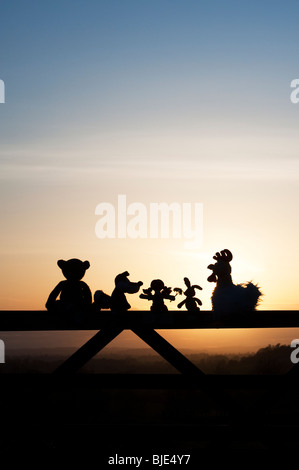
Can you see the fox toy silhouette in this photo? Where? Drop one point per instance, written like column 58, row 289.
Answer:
column 118, row 300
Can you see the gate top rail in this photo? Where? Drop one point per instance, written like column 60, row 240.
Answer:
column 42, row 320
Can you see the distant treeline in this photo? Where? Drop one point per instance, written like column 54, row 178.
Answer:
column 272, row 359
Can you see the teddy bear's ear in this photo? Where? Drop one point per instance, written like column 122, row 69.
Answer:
column 86, row 264
column 61, row 263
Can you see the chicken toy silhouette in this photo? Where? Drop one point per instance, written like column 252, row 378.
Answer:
column 228, row 297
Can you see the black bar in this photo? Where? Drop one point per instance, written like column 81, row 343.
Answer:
column 148, row 381
column 186, row 367
column 173, row 319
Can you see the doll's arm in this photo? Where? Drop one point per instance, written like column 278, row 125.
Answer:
column 169, row 297
column 146, row 296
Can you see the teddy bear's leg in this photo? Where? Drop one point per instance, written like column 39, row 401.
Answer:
column 80, row 312
column 101, row 301
column 55, row 307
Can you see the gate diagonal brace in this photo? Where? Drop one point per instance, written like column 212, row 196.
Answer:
column 88, row 350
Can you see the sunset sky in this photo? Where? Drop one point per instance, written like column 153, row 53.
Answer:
column 161, row 101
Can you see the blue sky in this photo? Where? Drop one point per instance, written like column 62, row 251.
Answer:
column 81, row 65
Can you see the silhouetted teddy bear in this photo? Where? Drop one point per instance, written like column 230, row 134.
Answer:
column 75, row 295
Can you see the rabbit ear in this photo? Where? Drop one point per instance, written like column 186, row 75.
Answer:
column 187, row 282
column 197, row 287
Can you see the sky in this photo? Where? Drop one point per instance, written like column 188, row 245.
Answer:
column 160, row 101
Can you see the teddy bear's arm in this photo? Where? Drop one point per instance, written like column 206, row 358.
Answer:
column 86, row 292
column 54, row 294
